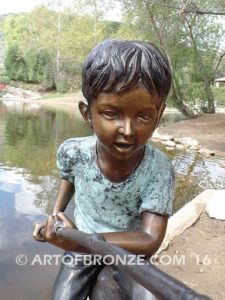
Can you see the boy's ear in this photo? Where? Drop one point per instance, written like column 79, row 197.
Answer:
column 85, row 112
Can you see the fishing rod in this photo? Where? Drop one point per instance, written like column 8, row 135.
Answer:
column 160, row 284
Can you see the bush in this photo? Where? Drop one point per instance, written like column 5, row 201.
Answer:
column 69, row 76
column 4, row 79
column 15, row 65
column 39, row 66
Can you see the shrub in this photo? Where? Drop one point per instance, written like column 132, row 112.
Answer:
column 15, row 65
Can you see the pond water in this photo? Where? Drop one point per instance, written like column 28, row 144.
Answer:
column 29, row 137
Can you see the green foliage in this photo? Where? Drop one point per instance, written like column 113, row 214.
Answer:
column 34, row 66
column 52, row 44
column 219, row 95
column 4, row 79
column 15, row 64
column 191, row 42
column 39, row 66
column 15, row 30
column 111, row 28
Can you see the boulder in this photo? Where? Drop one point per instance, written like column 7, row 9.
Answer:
column 206, row 152
column 216, row 205
column 177, row 140
column 155, row 140
column 189, row 142
column 169, row 143
column 167, row 137
column 162, row 137
column 194, row 147
column 179, row 147
column 169, row 148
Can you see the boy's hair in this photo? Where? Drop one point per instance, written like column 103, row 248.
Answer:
column 116, row 66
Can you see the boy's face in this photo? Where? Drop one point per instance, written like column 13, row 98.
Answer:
column 123, row 123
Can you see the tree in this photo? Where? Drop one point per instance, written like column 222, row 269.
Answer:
column 15, row 64
column 38, row 64
column 64, row 34
column 190, row 42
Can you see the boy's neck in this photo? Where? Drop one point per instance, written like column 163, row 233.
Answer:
column 117, row 170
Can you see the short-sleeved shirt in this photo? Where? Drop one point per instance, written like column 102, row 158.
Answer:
column 105, row 206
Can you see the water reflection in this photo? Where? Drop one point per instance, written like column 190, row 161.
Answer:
column 29, row 137
column 28, row 180
column 194, row 174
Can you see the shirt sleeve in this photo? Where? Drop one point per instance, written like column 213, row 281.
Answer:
column 65, row 157
column 159, row 192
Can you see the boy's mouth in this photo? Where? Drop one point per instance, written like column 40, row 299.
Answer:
column 124, row 146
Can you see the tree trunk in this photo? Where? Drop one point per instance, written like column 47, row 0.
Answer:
column 180, row 105
column 176, row 95
column 206, row 79
column 210, row 97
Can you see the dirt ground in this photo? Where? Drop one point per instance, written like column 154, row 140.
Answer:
column 70, row 100
column 197, row 257
column 208, row 130
column 201, row 248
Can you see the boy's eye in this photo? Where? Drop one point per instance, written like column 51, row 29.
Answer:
column 109, row 114
column 145, row 117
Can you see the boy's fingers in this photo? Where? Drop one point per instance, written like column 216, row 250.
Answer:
column 63, row 218
column 50, row 232
column 37, row 235
column 39, row 239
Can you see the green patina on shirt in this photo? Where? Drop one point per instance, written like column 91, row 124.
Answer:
column 105, row 206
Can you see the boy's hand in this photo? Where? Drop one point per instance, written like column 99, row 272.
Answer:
column 38, row 229
column 52, row 224
column 46, row 230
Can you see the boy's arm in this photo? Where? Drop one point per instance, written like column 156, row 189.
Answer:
column 65, row 193
column 145, row 241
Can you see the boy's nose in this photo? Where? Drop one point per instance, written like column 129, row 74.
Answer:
column 127, row 128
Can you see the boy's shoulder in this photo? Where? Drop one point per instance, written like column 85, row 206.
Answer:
column 73, row 143
column 159, row 158
column 74, row 148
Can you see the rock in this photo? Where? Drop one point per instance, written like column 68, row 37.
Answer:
column 206, row 152
column 167, row 137
column 155, row 140
column 169, row 143
column 187, row 141
column 162, row 137
column 169, row 148
column 179, row 147
column 177, row 140
column 216, row 205
column 19, row 93
column 193, row 147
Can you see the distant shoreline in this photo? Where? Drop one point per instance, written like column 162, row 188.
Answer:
column 207, row 129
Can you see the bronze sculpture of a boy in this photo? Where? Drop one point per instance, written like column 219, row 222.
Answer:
column 124, row 186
